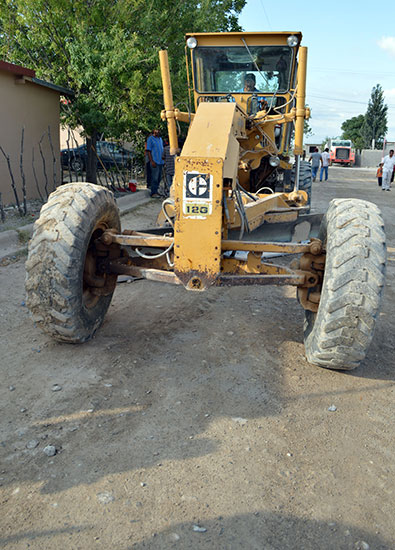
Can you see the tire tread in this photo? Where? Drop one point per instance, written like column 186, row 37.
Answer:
column 339, row 335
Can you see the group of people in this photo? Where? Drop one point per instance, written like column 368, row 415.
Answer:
column 385, row 171
column 158, row 160
column 317, row 159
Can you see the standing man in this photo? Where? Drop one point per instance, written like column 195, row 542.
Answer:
column 315, row 159
column 324, row 164
column 388, row 168
column 155, row 155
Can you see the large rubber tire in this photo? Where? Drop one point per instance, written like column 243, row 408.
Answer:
column 339, row 334
column 305, row 180
column 61, row 302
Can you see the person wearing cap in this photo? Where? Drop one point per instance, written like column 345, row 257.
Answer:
column 249, row 86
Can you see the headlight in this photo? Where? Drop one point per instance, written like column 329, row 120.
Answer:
column 292, row 41
column 191, row 42
column 274, row 161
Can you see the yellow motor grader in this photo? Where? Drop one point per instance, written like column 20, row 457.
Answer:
column 235, row 203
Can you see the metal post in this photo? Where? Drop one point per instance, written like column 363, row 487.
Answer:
column 168, row 101
column 297, row 172
column 300, row 101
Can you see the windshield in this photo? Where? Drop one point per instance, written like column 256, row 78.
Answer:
column 232, row 69
column 341, row 143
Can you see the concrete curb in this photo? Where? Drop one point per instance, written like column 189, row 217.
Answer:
column 10, row 244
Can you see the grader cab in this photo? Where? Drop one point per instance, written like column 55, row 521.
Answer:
column 236, row 202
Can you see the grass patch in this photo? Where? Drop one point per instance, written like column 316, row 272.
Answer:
column 23, row 236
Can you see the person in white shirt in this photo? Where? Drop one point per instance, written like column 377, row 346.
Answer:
column 324, row 164
column 388, row 168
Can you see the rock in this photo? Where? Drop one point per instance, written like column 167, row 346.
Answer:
column 239, row 420
column 56, row 387
column 174, row 536
column 105, row 497
column 332, row 408
column 107, row 385
column 32, row 444
column 50, row 450
column 143, row 484
column 230, row 333
column 23, row 410
column 73, row 428
column 361, row 545
column 199, row 529
column 11, row 388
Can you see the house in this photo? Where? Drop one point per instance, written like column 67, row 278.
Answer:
column 29, row 107
column 311, row 147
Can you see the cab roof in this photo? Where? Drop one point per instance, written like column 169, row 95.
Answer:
column 234, row 38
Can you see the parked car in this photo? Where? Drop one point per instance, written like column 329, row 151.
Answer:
column 110, row 154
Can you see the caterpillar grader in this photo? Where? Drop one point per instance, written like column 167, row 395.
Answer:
column 236, row 202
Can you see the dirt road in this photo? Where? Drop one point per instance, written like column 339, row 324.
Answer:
column 193, row 421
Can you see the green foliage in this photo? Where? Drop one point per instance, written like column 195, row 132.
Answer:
column 325, row 142
column 375, row 126
column 107, row 53
column 307, row 131
column 352, row 129
column 23, row 236
column 362, row 129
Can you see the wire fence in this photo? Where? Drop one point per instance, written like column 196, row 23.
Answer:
column 118, row 169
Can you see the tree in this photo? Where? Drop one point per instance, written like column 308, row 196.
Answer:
column 107, row 53
column 325, row 142
column 375, row 125
column 352, row 129
column 307, row 130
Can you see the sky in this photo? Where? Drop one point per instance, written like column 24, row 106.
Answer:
column 351, row 48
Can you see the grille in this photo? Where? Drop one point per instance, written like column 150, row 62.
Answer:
column 342, row 154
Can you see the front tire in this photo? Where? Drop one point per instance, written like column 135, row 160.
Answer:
column 339, row 334
column 67, row 296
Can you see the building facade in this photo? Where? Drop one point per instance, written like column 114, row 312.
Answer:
column 28, row 107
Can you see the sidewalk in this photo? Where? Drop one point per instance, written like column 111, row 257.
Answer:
column 10, row 241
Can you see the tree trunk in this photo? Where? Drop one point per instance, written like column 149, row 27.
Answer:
column 91, row 161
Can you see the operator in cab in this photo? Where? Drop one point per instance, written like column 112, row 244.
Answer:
column 250, row 86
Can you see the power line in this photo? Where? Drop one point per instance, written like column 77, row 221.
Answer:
column 267, row 18
column 344, row 100
column 372, row 72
